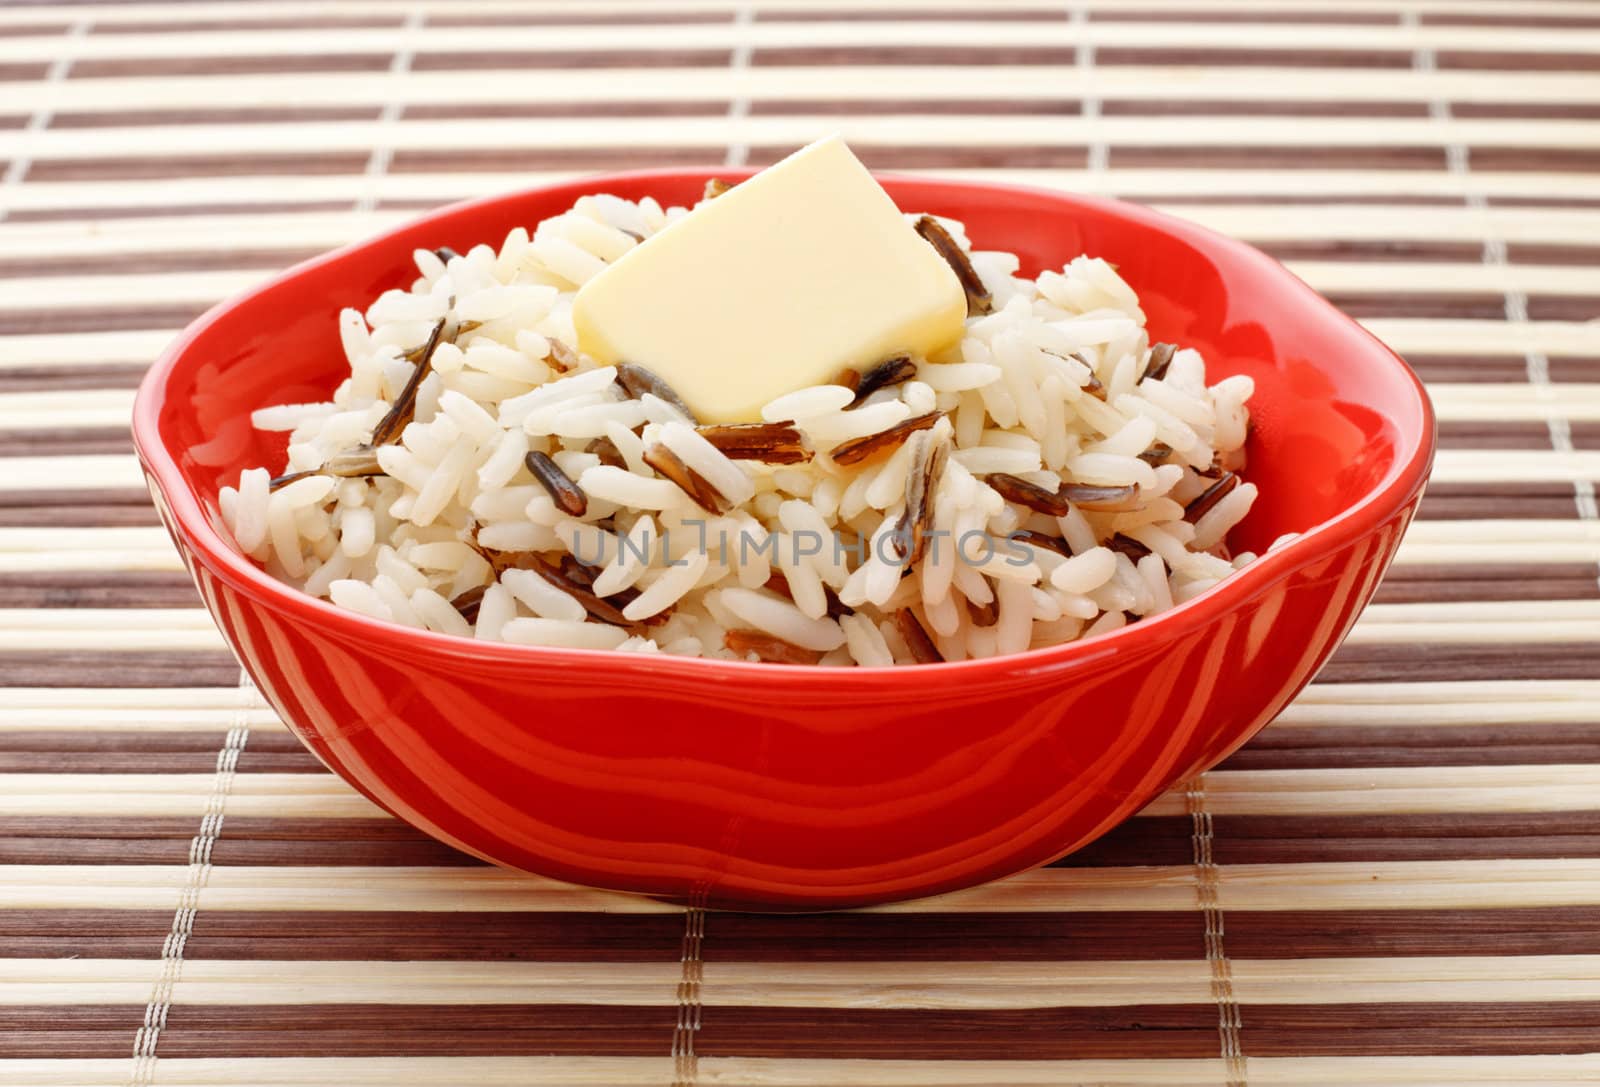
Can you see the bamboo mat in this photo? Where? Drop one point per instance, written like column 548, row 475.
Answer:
column 1397, row 883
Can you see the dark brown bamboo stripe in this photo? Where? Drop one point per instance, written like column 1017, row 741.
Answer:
column 276, row 64
column 550, row 158
column 65, row 442
column 1172, row 1031
column 1563, row 307
column 15, row 511
column 802, row 107
column 1553, row 252
column 1579, row 585
column 1399, row 745
column 253, row 22
column 146, row 211
column 1527, row 111
column 1399, row 661
column 1065, row 937
column 1109, row 56
column 241, row 115
column 1155, row 935
column 28, row 379
column 23, row 73
column 1479, row 434
column 1311, row 198
column 105, row 318
column 152, row 261
column 1148, row 1031
column 889, row 157
column 1518, row 501
column 1268, row 157
column 93, row 589
column 1514, row 201
column 1479, row 305
column 1331, row 16
column 131, row 668
column 563, row 59
column 28, row 30
column 1456, row 18
column 1537, row 159
column 870, row 14
column 641, row 17
column 152, row 168
column 359, row 1030
column 1507, row 61
column 452, row 111
column 1213, row 107
column 83, row 934
column 1468, row 369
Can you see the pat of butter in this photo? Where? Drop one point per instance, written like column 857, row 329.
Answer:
column 779, row 283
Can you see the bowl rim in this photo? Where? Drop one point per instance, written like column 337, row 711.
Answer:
column 1397, row 488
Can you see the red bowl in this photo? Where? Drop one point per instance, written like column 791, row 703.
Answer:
column 761, row 786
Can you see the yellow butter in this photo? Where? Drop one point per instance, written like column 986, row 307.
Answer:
column 781, row 282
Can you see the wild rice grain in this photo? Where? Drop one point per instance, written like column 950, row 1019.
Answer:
column 923, row 651
column 563, row 491
column 979, row 301
column 862, row 449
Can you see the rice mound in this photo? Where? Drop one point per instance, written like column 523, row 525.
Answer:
column 1133, row 476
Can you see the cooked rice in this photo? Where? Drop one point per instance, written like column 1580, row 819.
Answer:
column 801, row 561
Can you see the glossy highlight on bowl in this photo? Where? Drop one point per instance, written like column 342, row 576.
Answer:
column 736, row 785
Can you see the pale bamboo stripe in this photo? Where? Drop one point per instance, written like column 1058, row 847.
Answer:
column 1488, row 884
column 78, row 408
column 1276, row 222
column 1051, row 30
column 1394, row 790
column 858, row 984
column 1497, row 402
column 1519, row 1071
column 990, row 985
column 1511, row 534
column 1530, row 1071
column 355, row 1072
column 1515, row 466
column 102, row 981
column 152, row 560
column 238, row 887
column 1404, row 277
column 590, row 132
column 86, row 472
column 131, row 289
column 133, row 699
column 294, row 796
column 96, row 539
column 1465, row 337
column 82, row 348
column 128, row 720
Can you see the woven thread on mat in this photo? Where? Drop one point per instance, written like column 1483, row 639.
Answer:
column 1205, row 869
column 148, row 1036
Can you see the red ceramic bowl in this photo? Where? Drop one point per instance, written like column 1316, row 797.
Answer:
column 770, row 787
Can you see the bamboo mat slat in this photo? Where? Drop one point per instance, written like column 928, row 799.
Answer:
column 1395, row 885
